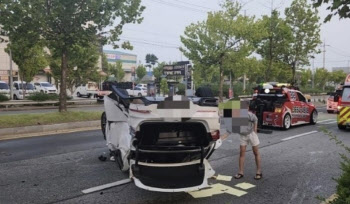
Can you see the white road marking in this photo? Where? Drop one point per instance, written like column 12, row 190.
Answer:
column 105, row 186
column 329, row 123
column 323, row 121
column 300, row 135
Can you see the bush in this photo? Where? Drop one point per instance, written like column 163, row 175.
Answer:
column 43, row 97
column 343, row 182
column 3, row 98
column 305, row 90
column 181, row 89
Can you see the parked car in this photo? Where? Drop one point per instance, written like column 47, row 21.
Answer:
column 137, row 91
column 282, row 107
column 4, row 89
column 19, row 88
column 89, row 89
column 45, row 87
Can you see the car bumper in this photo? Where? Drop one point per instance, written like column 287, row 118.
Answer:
column 178, row 177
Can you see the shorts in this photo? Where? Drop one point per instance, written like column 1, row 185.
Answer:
column 252, row 139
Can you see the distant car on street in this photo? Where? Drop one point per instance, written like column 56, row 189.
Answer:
column 19, row 88
column 4, row 89
column 89, row 89
column 137, row 91
column 45, row 87
column 141, row 86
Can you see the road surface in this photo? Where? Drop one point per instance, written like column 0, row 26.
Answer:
column 298, row 165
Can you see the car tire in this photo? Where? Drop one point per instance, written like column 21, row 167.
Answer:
column 313, row 117
column 41, row 91
column 341, row 127
column 15, row 97
column 330, row 111
column 78, row 94
column 103, row 124
column 287, row 121
column 139, row 95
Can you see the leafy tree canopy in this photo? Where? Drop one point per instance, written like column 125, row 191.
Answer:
column 337, row 7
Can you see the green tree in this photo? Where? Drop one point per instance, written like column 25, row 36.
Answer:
column 104, row 63
column 305, row 77
column 164, row 86
column 219, row 42
column 63, row 24
column 141, row 72
column 321, row 77
column 337, row 77
column 304, row 22
column 158, row 71
column 274, row 45
column 29, row 56
column 82, row 66
column 116, row 70
column 151, row 60
column 337, row 7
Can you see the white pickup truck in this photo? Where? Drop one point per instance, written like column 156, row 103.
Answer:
column 89, row 89
column 137, row 91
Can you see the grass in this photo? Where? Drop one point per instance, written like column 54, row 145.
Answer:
column 21, row 120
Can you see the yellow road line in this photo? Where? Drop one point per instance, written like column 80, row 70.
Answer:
column 27, row 135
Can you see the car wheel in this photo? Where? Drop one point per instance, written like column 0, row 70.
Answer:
column 330, row 111
column 89, row 95
column 78, row 94
column 341, row 127
column 313, row 117
column 287, row 121
column 140, row 95
column 41, row 91
column 103, row 124
column 15, row 97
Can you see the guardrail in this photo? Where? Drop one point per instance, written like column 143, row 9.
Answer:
column 8, row 104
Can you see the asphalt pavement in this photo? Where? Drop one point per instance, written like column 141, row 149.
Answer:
column 298, row 166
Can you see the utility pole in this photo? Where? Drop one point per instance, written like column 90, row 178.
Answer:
column 313, row 72
column 324, row 54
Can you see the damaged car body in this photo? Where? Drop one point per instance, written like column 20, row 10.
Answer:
column 164, row 143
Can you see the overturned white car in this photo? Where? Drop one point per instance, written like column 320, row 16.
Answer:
column 163, row 143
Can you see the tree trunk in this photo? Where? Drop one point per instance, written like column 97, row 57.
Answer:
column 293, row 74
column 63, row 89
column 221, row 84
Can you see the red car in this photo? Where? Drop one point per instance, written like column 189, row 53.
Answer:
column 282, row 107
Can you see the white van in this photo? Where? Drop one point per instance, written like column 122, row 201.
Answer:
column 89, row 89
column 4, row 89
column 45, row 87
column 18, row 89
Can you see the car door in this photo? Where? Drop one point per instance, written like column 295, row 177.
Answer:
column 304, row 108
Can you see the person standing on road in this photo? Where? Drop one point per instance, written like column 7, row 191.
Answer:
column 250, row 137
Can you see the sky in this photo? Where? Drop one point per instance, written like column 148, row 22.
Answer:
column 165, row 20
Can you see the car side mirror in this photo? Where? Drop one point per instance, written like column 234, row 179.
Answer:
column 336, row 98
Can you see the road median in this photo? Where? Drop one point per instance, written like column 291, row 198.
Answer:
column 13, row 126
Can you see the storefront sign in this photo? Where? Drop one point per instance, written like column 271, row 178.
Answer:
column 113, row 56
column 173, row 70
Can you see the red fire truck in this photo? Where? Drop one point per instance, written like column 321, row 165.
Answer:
column 343, row 118
column 282, row 106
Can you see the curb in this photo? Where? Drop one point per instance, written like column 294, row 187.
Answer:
column 6, row 133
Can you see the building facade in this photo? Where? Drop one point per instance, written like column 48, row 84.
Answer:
column 129, row 62
column 5, row 63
